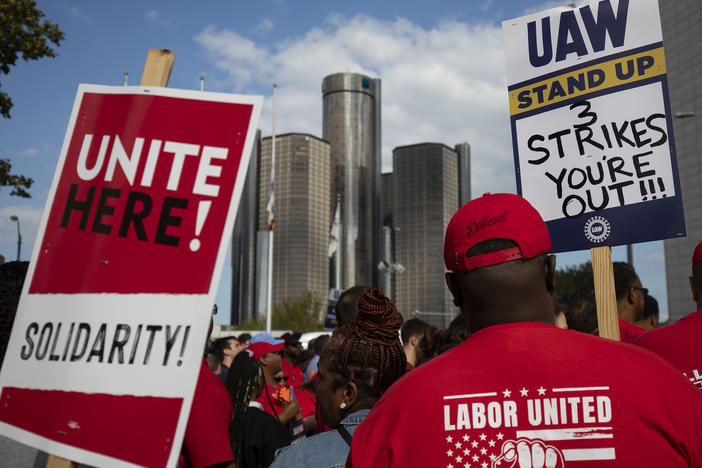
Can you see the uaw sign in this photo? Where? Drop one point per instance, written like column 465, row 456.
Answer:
column 108, row 339
column 591, row 124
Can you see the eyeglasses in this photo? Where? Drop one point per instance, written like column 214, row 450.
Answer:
column 644, row 291
column 294, row 345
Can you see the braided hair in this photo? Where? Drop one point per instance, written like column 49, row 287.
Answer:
column 242, row 380
column 368, row 351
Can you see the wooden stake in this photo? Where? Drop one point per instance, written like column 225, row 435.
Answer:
column 157, row 68
column 58, row 462
column 605, row 297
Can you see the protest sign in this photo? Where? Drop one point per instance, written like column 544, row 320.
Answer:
column 109, row 335
column 591, row 123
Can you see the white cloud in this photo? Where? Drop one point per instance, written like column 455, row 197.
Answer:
column 76, row 13
column 266, row 25
column 155, row 17
column 27, row 152
column 445, row 84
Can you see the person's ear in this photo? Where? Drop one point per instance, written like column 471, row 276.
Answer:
column 550, row 273
column 452, row 283
column 413, row 341
column 653, row 320
column 693, row 289
column 350, row 394
column 630, row 296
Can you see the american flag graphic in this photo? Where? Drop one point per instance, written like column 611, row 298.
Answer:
column 550, row 427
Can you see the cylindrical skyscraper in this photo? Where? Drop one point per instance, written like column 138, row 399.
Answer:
column 351, row 124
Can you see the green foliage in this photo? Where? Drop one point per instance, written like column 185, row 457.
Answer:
column 574, row 278
column 300, row 314
column 19, row 183
column 23, row 33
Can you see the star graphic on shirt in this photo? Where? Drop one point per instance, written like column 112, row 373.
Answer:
column 500, row 435
column 491, row 443
column 449, row 466
column 465, row 437
column 459, row 459
column 524, row 392
column 492, row 457
column 475, row 458
column 467, row 465
column 483, row 451
column 474, row 444
column 483, row 465
column 466, row 452
column 449, row 439
column 449, row 453
column 507, row 393
column 541, row 390
column 458, row 445
column 483, row 437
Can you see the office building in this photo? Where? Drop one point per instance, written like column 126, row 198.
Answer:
column 243, row 298
column 425, row 197
column 682, row 39
column 351, row 125
column 302, row 215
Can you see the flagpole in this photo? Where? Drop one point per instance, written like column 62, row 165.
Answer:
column 337, row 262
column 269, row 292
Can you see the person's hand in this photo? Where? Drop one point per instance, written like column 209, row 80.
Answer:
column 289, row 412
column 525, row 453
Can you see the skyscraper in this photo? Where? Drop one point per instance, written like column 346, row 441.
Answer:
column 682, row 38
column 351, row 125
column 244, row 243
column 302, row 214
column 425, row 197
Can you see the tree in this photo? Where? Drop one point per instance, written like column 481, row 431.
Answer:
column 23, row 33
column 299, row 314
column 574, row 279
column 19, row 183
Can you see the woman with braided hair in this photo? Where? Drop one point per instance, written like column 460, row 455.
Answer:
column 254, row 434
column 360, row 361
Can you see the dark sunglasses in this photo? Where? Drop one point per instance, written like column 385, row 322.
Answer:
column 644, row 291
column 281, row 379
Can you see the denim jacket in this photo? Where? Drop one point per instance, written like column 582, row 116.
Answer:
column 326, row 450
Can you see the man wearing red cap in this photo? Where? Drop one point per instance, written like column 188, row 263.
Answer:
column 520, row 391
column 679, row 343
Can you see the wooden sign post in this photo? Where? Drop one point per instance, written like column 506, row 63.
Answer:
column 157, row 71
column 605, row 297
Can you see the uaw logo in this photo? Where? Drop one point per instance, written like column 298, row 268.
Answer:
column 597, row 229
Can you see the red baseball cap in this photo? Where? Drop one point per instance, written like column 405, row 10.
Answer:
column 494, row 216
column 262, row 348
column 697, row 256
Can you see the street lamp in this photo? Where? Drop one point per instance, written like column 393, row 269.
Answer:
column 19, row 236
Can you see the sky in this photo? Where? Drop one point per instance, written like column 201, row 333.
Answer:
column 441, row 64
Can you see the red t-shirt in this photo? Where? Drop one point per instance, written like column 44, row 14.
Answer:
column 531, row 388
column 206, row 439
column 628, row 331
column 679, row 344
column 269, row 400
column 294, row 373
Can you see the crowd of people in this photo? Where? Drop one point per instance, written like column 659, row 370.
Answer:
column 519, row 378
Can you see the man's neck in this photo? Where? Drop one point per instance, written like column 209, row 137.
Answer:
column 269, row 378
column 411, row 355
column 227, row 361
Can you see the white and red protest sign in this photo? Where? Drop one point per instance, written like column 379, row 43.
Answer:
column 592, row 130
column 110, row 331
